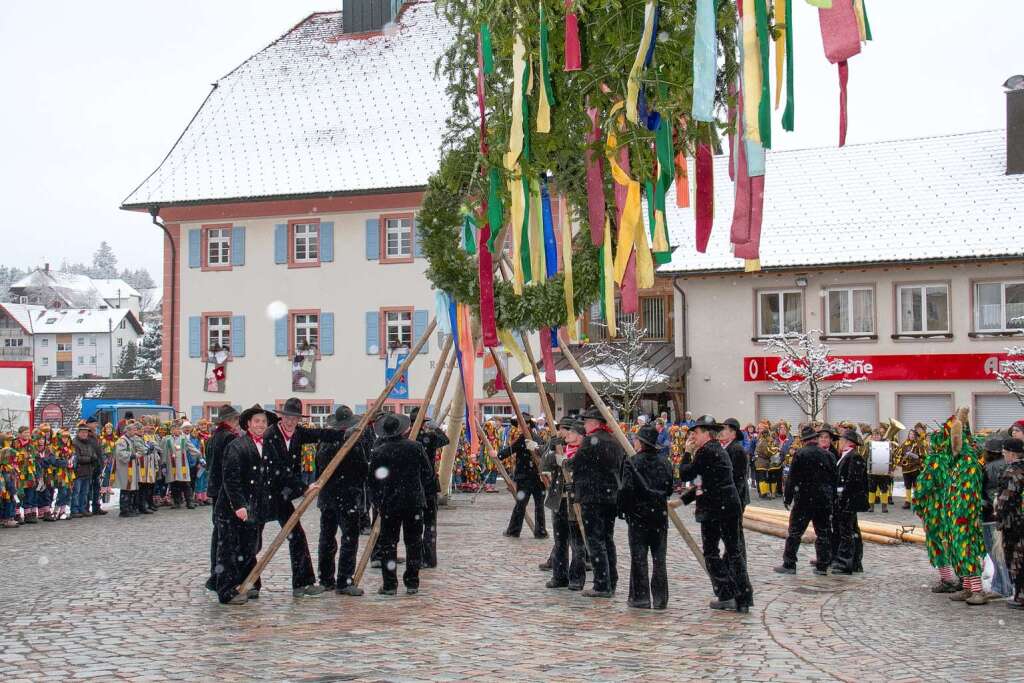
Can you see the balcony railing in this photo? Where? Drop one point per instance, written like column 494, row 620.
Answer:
column 16, row 352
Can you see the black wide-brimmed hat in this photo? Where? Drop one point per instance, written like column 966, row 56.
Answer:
column 707, row 422
column 226, row 412
column 343, row 418
column 732, row 423
column 576, row 426
column 853, row 436
column 592, row 414
column 648, row 435
column 807, row 433
column 828, row 429
column 292, row 408
column 994, row 443
column 248, row 413
column 1013, row 445
column 391, row 424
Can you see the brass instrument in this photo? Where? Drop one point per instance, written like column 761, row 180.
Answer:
column 896, row 449
column 767, row 448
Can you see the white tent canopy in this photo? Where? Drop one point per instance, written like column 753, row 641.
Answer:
column 14, row 407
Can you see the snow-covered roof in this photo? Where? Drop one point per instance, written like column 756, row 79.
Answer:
column 925, row 199
column 23, row 314
column 82, row 320
column 113, row 288
column 315, row 114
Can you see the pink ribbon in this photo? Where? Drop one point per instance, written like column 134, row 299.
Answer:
column 573, row 58
column 595, row 183
column 705, row 195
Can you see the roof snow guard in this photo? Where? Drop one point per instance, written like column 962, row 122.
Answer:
column 314, row 113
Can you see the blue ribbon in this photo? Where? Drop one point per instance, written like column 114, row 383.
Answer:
column 705, row 61
column 550, row 246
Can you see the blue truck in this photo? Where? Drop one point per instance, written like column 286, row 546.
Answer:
column 113, row 411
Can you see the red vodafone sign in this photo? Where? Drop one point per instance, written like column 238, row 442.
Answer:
column 936, row 366
column 52, row 414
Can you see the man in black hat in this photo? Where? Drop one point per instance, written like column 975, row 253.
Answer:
column 285, row 439
column 719, row 512
column 244, row 504
column 225, row 432
column 828, row 437
column 732, row 441
column 646, row 486
column 596, row 471
column 432, row 439
column 528, row 483
column 851, row 498
column 341, row 503
column 810, row 488
column 565, row 573
column 93, row 504
column 398, row 470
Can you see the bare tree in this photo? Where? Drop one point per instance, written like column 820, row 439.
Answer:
column 807, row 372
column 624, row 366
column 1010, row 372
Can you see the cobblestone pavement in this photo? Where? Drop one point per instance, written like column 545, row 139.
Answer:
column 123, row 599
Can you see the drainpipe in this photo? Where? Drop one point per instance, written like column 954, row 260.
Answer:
column 154, row 211
column 682, row 332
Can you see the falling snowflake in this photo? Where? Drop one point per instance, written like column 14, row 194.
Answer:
column 381, row 472
column 100, row 575
column 392, row 565
column 43, row 560
column 277, row 310
column 390, row 29
column 218, row 569
column 520, row 495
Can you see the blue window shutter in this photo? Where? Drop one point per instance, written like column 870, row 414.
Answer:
column 327, row 241
column 524, row 407
column 372, row 239
column 195, row 241
column 281, row 243
column 417, row 243
column 360, row 409
column 272, row 407
column 281, row 336
column 238, row 245
column 372, row 332
column 197, row 413
column 419, row 326
column 195, row 346
column 237, row 408
column 327, row 333
column 238, row 336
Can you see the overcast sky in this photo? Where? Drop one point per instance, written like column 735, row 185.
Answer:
column 95, row 93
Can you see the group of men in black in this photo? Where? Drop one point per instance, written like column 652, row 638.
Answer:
column 591, row 482
column 255, row 459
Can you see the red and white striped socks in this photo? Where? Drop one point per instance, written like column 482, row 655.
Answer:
column 973, row 584
column 947, row 575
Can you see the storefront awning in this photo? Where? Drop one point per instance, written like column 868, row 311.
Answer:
column 665, row 369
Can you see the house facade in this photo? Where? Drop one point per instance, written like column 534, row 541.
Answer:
column 292, row 261
column 59, row 289
column 905, row 255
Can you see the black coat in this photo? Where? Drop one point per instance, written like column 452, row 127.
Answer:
column 525, row 471
column 215, row 448
column 812, row 477
column 852, row 483
column 398, row 469
column 432, row 439
column 244, row 483
column 646, row 486
column 344, row 490
column 597, row 469
column 740, row 464
column 287, row 459
column 718, row 499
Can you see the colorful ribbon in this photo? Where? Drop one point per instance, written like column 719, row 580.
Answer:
column 705, row 61
column 550, row 244
column 547, row 94
column 751, row 68
column 495, row 208
column 633, row 81
column 764, row 105
column 537, row 267
column 788, row 113
column 486, row 281
column 607, row 283
column 631, row 233
column 705, row 172
column 480, row 95
column 840, row 36
column 596, row 216
column 573, row 53
column 468, row 241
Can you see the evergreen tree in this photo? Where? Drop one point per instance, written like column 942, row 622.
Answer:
column 150, row 349
column 128, row 366
column 104, row 262
column 139, row 278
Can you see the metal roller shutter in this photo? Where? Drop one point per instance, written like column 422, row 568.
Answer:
column 777, row 407
column 996, row 411
column 931, row 409
column 855, row 409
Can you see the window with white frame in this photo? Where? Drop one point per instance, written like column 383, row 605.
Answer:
column 923, row 309
column 218, row 332
column 212, row 413
column 398, row 237
column 81, row 360
column 307, row 331
column 218, row 247
column 850, row 311
column 123, row 324
column 398, row 328
column 318, row 413
column 407, row 409
column 779, row 312
column 92, row 340
column 306, row 242
column 62, row 346
column 92, row 360
column 44, row 342
column 45, row 360
column 999, row 306
column 120, row 342
column 81, row 341
column 14, row 342
column 501, row 410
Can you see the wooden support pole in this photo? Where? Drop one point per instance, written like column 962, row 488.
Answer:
column 371, row 541
column 523, row 427
column 624, row 442
column 455, row 411
column 438, row 417
column 350, row 441
column 501, row 467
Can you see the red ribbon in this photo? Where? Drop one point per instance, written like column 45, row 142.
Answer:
column 256, row 439
column 545, row 352
column 595, row 183
column 751, row 249
column 705, row 195
column 487, row 323
column 844, row 76
column 628, row 290
column 573, row 58
column 840, row 37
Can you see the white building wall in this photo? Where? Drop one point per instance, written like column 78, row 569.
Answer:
column 720, row 324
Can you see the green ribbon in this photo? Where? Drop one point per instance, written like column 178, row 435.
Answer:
column 867, row 24
column 764, row 111
column 485, row 43
column 787, row 114
column 495, row 209
column 545, row 70
column 524, row 231
column 469, row 233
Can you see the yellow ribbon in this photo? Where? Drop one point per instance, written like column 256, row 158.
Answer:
column 858, row 9
column 515, row 189
column 751, row 74
column 780, row 47
column 751, row 265
column 633, row 82
column 536, row 235
column 509, row 342
column 631, row 227
column 660, row 232
column 609, row 284
column 570, row 307
column 515, row 137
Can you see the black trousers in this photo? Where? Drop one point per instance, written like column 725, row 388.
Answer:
column 599, row 526
column 818, row 513
column 523, row 495
column 144, row 498
column 213, row 548
column 848, row 555
column 181, row 492
column 410, row 524
column 430, row 532
column 332, row 520
column 647, row 538
column 237, row 545
column 298, row 549
column 566, row 571
column 728, row 572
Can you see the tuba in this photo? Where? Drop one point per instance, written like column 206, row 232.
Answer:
column 892, row 431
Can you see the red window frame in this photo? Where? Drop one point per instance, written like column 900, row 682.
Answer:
column 292, row 263
column 383, row 237
column 204, row 260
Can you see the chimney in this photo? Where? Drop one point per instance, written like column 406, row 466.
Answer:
column 1014, row 124
column 46, row 267
column 367, row 16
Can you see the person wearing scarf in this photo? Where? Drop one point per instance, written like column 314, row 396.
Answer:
column 227, row 431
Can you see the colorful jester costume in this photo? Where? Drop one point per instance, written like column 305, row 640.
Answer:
column 929, row 496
